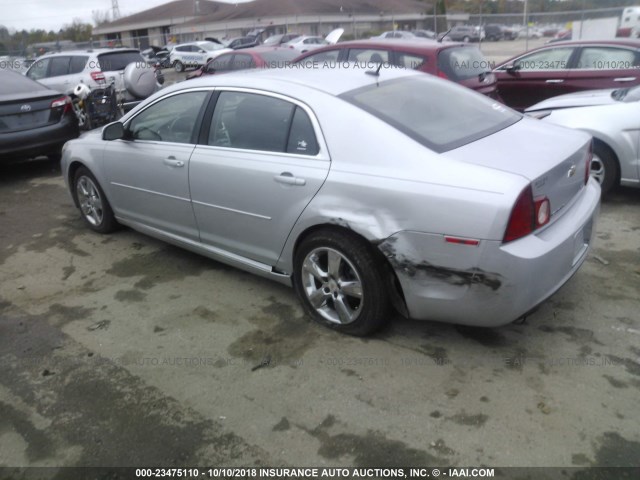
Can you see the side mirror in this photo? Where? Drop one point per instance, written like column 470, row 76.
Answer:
column 113, row 131
column 512, row 67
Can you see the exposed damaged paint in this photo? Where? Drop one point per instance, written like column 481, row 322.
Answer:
column 403, row 265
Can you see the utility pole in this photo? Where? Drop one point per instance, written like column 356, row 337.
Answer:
column 115, row 10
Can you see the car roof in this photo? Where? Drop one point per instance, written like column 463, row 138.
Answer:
column 96, row 51
column 333, row 81
column 418, row 46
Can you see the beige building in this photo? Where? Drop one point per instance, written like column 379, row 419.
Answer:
column 188, row 20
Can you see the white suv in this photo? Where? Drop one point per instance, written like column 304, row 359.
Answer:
column 195, row 54
column 63, row 71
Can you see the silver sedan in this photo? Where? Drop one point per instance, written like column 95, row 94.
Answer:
column 363, row 190
column 612, row 117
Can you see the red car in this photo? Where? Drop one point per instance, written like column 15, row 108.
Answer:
column 256, row 57
column 567, row 67
column 459, row 62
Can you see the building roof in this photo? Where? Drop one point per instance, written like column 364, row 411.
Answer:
column 166, row 14
column 193, row 12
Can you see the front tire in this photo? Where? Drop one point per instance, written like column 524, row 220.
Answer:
column 340, row 283
column 94, row 206
column 604, row 167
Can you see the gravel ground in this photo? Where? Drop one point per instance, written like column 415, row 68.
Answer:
column 121, row 350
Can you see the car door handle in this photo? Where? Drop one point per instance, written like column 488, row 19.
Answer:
column 624, row 79
column 172, row 162
column 555, row 80
column 288, row 179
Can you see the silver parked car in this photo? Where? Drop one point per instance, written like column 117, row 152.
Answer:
column 610, row 116
column 361, row 189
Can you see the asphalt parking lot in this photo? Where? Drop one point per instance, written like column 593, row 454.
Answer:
column 121, row 350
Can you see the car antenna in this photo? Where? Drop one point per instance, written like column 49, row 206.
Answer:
column 375, row 73
column 445, row 34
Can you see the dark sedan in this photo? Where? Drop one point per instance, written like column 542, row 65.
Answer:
column 460, row 62
column 34, row 119
column 567, row 67
column 257, row 57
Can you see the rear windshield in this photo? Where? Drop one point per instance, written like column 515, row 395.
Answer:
column 462, row 63
column 440, row 115
column 113, row 61
column 12, row 83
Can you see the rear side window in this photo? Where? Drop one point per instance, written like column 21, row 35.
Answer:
column 607, row 58
column 321, row 57
column 302, row 138
column 362, row 55
column 258, row 122
column 77, row 63
column 409, row 60
column 59, row 66
column 462, row 63
column 440, row 115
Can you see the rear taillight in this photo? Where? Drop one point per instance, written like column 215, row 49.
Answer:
column 62, row 102
column 98, row 77
column 587, row 169
column 441, row 74
column 521, row 220
column 527, row 215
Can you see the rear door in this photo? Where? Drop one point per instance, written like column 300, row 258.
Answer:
column 603, row 66
column 259, row 163
column 536, row 76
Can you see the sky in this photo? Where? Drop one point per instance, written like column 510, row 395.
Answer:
column 53, row 14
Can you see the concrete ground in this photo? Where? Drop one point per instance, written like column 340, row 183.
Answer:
column 122, row 350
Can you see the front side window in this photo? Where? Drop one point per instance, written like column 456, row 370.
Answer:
column 39, row 69
column 219, row 64
column 462, row 63
column 258, row 122
column 550, row 59
column 170, row 120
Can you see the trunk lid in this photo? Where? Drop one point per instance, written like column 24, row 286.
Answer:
column 553, row 159
column 26, row 113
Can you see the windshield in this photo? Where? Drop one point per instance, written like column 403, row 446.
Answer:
column 273, row 40
column 441, row 116
column 210, row 46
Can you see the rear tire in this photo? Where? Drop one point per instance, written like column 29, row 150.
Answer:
column 604, row 167
column 178, row 66
column 340, row 283
column 466, row 39
column 94, row 206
